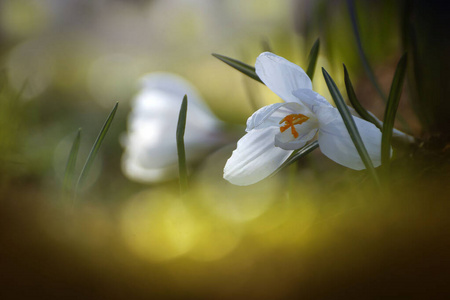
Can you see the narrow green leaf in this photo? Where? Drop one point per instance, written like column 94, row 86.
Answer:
column 180, row 146
column 240, row 66
column 350, row 125
column 362, row 55
column 95, row 148
column 297, row 154
column 365, row 62
column 70, row 167
column 356, row 104
column 391, row 109
column 313, row 55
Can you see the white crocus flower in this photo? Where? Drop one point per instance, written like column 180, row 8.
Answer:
column 150, row 145
column 275, row 131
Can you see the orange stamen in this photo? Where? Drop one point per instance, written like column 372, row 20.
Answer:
column 290, row 121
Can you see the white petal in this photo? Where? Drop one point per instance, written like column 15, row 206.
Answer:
column 261, row 115
column 271, row 115
column 162, row 93
column 150, row 149
column 255, row 157
column 399, row 135
column 281, row 76
column 335, row 141
column 134, row 170
column 176, row 87
column 311, row 99
column 287, row 141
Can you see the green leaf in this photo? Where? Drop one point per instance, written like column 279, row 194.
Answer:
column 313, row 55
column 356, row 104
column 365, row 62
column 362, row 55
column 180, row 146
column 350, row 125
column 391, row 109
column 70, row 167
column 297, row 154
column 95, row 148
column 240, row 66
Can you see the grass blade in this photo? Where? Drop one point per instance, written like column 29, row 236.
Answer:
column 365, row 62
column 391, row 109
column 313, row 55
column 362, row 55
column 350, row 125
column 356, row 104
column 70, row 167
column 95, row 148
column 240, row 66
column 180, row 146
column 297, row 154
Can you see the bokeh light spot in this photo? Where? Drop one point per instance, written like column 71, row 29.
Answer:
column 158, row 227
column 216, row 240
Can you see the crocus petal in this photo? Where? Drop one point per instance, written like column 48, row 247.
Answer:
column 306, row 131
column 311, row 99
column 255, row 157
column 271, row 115
column 151, row 149
column 173, row 87
column 161, row 96
column 150, row 145
column 261, row 115
column 397, row 134
column 335, row 141
column 281, row 76
column 314, row 101
column 134, row 170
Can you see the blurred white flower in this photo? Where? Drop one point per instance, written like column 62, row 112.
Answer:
column 275, row 131
column 150, row 144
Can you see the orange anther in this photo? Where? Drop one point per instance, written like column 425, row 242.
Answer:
column 290, row 121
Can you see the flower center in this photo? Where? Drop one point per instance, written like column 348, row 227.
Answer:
column 290, row 121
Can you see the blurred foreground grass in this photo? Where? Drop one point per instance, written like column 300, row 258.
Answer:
column 322, row 240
